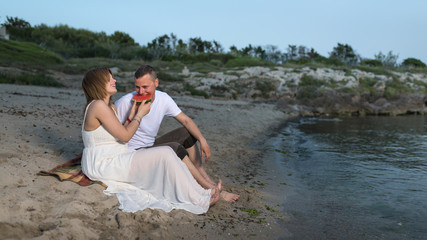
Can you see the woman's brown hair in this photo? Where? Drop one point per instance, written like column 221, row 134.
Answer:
column 94, row 82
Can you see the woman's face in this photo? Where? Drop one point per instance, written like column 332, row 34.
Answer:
column 111, row 86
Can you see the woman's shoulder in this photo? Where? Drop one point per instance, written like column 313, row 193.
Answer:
column 100, row 109
column 97, row 104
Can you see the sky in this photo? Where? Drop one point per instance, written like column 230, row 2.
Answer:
column 368, row 26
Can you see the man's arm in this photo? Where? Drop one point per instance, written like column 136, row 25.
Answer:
column 189, row 124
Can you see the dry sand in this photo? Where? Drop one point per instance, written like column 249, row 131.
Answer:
column 41, row 128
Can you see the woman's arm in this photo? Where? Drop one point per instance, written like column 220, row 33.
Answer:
column 131, row 115
column 100, row 113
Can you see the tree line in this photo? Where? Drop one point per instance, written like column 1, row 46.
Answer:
column 69, row 42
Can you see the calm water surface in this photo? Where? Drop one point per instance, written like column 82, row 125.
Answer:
column 355, row 177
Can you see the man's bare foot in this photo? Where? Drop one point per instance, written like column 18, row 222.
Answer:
column 229, row 197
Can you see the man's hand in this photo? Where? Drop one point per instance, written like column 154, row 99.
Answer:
column 205, row 150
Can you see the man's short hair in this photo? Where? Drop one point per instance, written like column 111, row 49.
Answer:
column 145, row 69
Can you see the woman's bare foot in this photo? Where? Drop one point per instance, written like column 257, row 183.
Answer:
column 229, row 197
column 219, row 186
column 216, row 193
column 215, row 197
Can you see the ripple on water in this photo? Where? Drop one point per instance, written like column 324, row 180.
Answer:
column 367, row 174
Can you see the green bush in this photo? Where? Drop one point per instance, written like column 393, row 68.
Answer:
column 307, row 81
column 300, row 61
column 348, row 90
column 208, row 57
column 344, row 53
column 265, row 86
column 395, row 87
column 320, row 59
column 26, row 52
column 172, row 66
column 204, row 67
column 81, row 65
column 201, row 57
column 422, row 86
column 220, row 88
column 245, row 62
column 367, row 84
column 375, row 70
column 70, row 42
column 195, row 92
column 333, row 62
column 308, row 87
column 216, row 63
column 371, row 63
column 413, row 62
column 162, row 76
column 29, row 79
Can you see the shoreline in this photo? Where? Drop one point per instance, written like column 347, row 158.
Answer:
column 41, row 129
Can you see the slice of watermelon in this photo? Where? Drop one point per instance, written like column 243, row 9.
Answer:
column 139, row 98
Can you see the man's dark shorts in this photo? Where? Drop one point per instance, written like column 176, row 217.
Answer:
column 179, row 140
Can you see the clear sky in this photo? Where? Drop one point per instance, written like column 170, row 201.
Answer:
column 368, row 26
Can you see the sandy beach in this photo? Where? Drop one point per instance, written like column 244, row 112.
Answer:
column 41, row 128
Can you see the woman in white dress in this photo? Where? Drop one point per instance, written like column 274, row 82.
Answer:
column 146, row 178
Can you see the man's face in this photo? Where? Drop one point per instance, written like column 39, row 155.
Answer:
column 146, row 85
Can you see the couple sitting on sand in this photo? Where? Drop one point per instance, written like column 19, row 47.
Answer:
column 121, row 149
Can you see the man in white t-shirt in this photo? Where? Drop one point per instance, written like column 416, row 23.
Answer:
column 182, row 140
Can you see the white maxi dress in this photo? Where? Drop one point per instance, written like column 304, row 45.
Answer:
column 153, row 178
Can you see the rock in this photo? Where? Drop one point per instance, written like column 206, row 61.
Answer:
column 115, row 70
column 380, row 87
column 255, row 71
column 185, row 71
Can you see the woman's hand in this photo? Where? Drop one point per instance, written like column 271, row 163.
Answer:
column 143, row 109
column 132, row 110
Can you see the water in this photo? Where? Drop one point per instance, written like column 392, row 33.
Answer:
column 355, row 177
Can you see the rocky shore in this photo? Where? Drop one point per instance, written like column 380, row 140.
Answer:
column 313, row 91
column 305, row 91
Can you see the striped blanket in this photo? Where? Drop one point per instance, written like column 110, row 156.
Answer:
column 71, row 171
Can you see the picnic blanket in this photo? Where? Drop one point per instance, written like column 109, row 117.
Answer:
column 71, row 171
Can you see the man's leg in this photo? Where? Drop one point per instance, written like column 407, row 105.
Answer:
column 184, row 138
column 196, row 159
column 193, row 159
column 182, row 153
column 197, row 175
